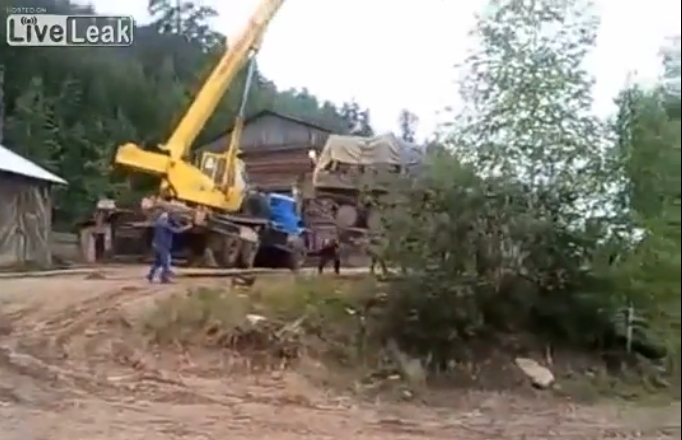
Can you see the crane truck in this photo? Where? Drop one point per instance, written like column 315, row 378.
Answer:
column 214, row 194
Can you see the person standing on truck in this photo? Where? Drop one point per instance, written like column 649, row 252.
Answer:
column 330, row 252
column 162, row 243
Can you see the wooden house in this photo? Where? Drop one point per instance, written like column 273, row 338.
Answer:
column 275, row 148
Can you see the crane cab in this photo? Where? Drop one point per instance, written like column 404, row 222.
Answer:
column 214, row 165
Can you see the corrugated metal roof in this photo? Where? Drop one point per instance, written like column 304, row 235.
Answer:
column 11, row 162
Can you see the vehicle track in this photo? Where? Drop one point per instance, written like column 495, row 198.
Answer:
column 69, row 371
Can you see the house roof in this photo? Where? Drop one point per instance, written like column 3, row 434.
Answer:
column 291, row 118
column 11, row 162
column 257, row 115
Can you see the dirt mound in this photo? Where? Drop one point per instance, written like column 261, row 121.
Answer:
column 213, row 319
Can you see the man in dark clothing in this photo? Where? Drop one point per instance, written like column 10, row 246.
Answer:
column 162, row 243
column 376, row 248
column 329, row 252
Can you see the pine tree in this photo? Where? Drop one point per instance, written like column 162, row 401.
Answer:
column 358, row 121
column 407, row 121
column 187, row 19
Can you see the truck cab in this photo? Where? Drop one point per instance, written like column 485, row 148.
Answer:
column 282, row 243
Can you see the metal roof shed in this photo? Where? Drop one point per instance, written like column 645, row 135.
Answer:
column 25, row 211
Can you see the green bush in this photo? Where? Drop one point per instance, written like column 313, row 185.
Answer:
column 484, row 257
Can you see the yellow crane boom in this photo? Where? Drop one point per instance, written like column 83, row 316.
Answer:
column 181, row 180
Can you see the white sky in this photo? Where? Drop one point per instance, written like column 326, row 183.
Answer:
column 390, row 55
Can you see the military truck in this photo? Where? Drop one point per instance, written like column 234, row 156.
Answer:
column 345, row 177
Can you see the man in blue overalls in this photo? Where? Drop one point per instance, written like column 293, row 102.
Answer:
column 164, row 229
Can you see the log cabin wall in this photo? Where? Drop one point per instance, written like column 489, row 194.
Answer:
column 278, row 170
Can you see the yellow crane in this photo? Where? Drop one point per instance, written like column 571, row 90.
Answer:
column 215, row 192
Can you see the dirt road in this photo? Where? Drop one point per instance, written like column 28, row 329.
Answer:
column 67, row 372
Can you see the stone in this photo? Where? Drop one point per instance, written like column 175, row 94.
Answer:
column 541, row 377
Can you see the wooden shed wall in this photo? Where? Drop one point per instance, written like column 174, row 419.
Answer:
column 25, row 221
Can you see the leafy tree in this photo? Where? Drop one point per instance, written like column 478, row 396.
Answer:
column 648, row 146
column 648, row 141
column 500, row 241
column 673, row 71
column 529, row 97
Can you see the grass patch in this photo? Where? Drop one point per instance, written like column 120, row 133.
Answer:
column 278, row 320
column 643, row 388
column 325, row 327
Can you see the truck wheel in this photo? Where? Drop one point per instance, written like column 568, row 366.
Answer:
column 247, row 255
column 256, row 205
column 296, row 260
column 225, row 250
column 347, row 216
column 297, row 253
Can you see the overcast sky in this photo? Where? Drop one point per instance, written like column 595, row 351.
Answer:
column 390, row 55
